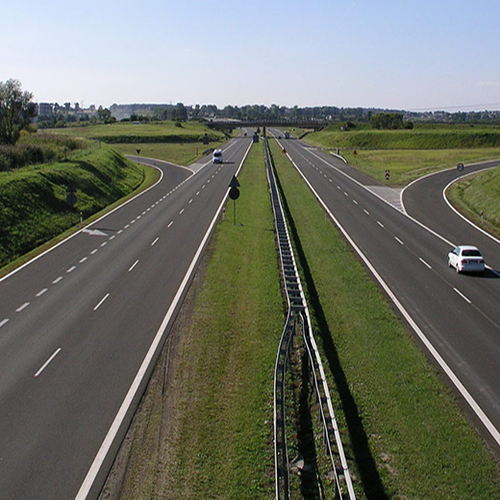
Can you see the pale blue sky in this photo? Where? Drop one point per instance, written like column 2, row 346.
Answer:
column 414, row 55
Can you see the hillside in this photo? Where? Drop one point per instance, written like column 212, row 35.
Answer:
column 33, row 207
column 420, row 137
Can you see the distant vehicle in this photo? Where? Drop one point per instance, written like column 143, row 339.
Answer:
column 466, row 258
column 217, row 156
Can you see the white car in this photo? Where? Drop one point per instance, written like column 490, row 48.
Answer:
column 217, row 156
column 466, row 258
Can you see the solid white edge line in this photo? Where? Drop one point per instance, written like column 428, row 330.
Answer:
column 495, row 434
column 496, row 240
column 352, row 179
column 58, row 350
column 127, row 402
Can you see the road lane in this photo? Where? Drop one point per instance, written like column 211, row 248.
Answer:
column 92, row 326
column 424, row 201
column 457, row 315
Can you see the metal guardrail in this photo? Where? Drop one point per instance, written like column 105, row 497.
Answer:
column 298, row 313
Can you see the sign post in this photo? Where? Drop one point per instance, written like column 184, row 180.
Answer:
column 234, row 193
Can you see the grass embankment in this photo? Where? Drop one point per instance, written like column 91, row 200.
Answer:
column 409, row 154
column 217, row 439
column 34, row 148
column 403, row 428
column 33, row 207
column 162, row 140
column 479, row 193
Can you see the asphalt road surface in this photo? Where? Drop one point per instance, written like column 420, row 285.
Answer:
column 456, row 318
column 81, row 325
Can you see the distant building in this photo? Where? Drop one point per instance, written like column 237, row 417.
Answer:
column 45, row 109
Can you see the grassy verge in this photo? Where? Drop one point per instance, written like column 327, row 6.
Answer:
column 33, row 207
column 403, row 429
column 218, row 434
column 180, row 154
column 422, row 136
column 408, row 165
column 409, row 154
column 165, row 131
column 478, row 194
column 162, row 140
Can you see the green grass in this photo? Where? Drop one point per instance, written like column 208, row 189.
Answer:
column 126, row 132
column 220, row 445
column 180, row 153
column 408, row 165
column 479, row 193
column 409, row 154
column 403, row 430
column 161, row 140
column 33, row 207
column 422, row 136
column 237, row 324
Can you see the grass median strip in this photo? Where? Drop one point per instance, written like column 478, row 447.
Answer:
column 403, row 429
column 206, row 430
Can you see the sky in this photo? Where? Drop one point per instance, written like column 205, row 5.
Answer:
column 393, row 54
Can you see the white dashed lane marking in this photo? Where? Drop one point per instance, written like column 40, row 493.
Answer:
column 47, row 362
column 23, row 307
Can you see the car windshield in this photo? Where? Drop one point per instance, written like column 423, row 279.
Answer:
column 471, row 253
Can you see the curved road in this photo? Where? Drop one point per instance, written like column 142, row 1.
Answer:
column 81, row 325
column 455, row 318
column 424, row 201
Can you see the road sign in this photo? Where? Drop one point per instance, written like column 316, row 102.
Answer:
column 234, row 193
column 234, row 182
column 387, row 175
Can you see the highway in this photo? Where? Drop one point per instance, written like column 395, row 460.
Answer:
column 81, row 325
column 455, row 318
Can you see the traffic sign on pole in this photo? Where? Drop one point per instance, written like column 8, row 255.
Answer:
column 234, row 182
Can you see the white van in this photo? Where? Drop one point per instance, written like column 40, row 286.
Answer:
column 217, row 156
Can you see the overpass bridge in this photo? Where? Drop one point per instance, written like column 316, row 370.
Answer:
column 230, row 124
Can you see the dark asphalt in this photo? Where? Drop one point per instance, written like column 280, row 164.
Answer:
column 77, row 323
column 456, row 318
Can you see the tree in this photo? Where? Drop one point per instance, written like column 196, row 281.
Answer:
column 104, row 115
column 387, row 121
column 16, row 110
